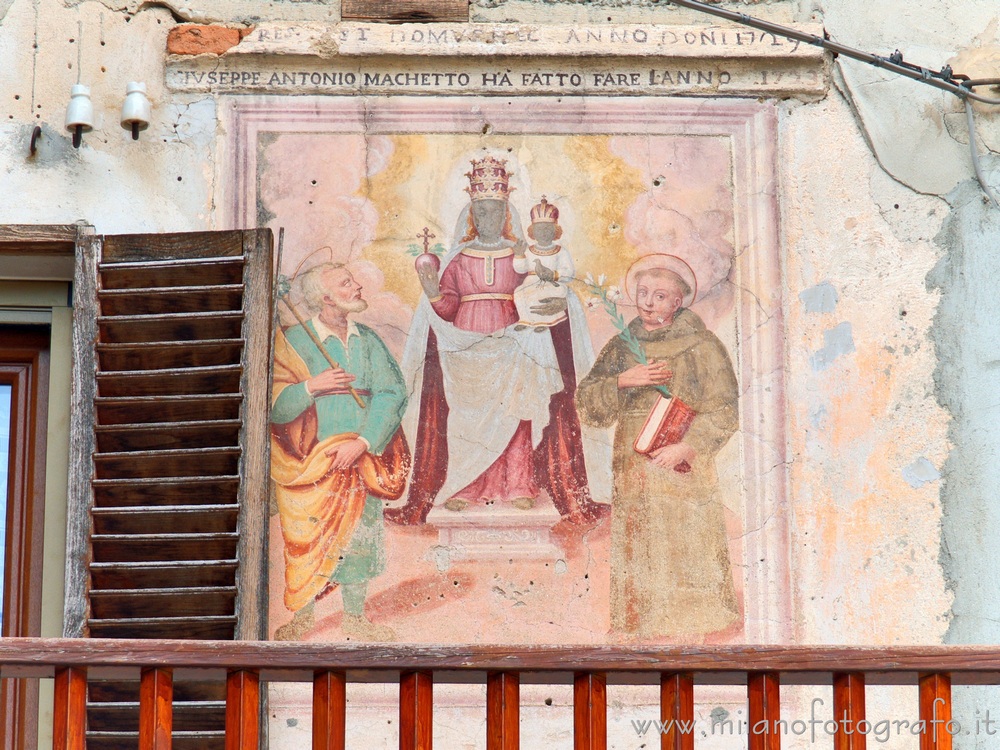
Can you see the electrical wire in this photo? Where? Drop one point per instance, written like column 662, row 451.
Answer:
column 975, row 155
column 944, row 79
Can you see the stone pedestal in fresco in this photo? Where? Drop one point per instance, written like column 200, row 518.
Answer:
column 494, row 533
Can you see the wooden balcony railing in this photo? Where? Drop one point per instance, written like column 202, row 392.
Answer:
column 330, row 667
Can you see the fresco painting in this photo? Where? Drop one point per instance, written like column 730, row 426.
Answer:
column 511, row 381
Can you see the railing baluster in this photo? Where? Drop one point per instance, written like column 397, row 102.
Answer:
column 677, row 710
column 765, row 711
column 935, row 711
column 416, row 710
column 849, row 710
column 242, row 710
column 503, row 711
column 156, row 695
column 590, row 711
column 329, row 728
column 69, row 720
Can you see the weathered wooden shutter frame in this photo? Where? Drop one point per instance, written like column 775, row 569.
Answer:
column 254, row 467
column 82, row 440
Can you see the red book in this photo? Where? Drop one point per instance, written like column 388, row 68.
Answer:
column 667, row 423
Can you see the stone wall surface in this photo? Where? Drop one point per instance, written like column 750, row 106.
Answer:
column 888, row 252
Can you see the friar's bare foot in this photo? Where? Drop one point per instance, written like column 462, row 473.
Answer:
column 302, row 622
column 523, row 503
column 540, row 329
column 456, row 504
column 520, row 327
column 361, row 628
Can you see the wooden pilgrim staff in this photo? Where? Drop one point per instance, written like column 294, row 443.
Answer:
column 284, row 287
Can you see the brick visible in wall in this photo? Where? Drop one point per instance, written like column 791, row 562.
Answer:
column 193, row 39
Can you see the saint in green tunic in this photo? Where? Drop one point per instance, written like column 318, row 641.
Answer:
column 366, row 357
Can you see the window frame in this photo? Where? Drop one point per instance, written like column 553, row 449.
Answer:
column 24, row 365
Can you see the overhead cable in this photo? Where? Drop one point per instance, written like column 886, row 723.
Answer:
column 945, row 78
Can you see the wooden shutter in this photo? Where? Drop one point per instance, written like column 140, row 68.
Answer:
column 172, row 338
column 169, row 457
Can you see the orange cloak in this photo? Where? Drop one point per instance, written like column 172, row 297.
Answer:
column 319, row 508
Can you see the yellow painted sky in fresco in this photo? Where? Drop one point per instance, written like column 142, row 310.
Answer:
column 423, row 183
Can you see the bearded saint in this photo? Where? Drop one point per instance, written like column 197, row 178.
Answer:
column 495, row 420
column 333, row 461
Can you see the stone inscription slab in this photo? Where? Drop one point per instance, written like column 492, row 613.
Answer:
column 519, row 40
column 506, row 59
column 560, row 78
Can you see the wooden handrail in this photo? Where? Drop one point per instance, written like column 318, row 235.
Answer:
column 762, row 669
column 801, row 665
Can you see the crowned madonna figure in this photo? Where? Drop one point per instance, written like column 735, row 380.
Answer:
column 486, row 417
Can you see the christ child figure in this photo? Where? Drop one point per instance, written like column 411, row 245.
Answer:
column 548, row 265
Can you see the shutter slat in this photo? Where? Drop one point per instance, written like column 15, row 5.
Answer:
column 160, row 300
column 160, row 409
column 160, row 355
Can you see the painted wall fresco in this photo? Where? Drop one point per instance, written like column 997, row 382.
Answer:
column 484, row 303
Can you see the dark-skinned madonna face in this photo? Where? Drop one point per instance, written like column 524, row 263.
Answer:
column 488, row 216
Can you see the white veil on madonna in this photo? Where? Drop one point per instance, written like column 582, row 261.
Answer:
column 491, row 382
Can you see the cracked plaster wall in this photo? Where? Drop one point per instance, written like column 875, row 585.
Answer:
column 163, row 182
column 890, row 272
column 869, row 177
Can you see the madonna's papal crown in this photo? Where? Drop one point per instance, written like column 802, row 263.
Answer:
column 489, row 178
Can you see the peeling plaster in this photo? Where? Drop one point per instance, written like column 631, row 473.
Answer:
column 966, row 381
column 920, row 472
column 905, row 122
column 821, row 298
column 965, row 333
column 837, row 342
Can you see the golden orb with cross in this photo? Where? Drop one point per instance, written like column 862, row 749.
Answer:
column 427, row 260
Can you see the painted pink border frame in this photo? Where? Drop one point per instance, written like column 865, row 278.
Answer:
column 752, row 129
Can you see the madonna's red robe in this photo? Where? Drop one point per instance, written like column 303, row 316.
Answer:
column 556, row 465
